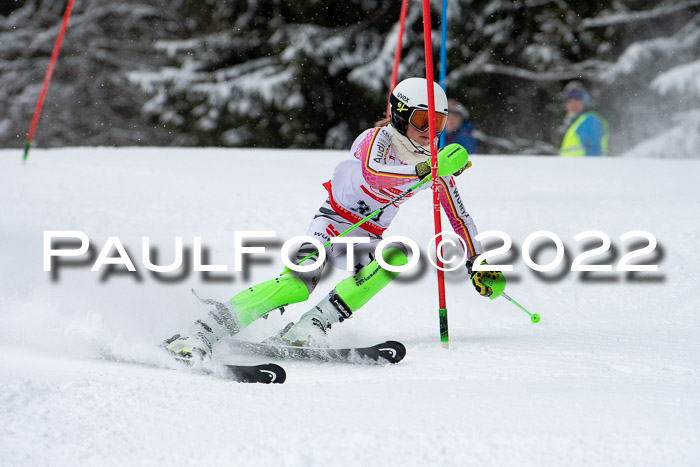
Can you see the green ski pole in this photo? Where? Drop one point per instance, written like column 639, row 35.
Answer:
column 535, row 318
column 377, row 211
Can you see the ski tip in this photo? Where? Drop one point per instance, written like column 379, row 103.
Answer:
column 278, row 375
column 268, row 373
column 393, row 351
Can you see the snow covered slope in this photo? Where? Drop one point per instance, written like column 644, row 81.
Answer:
column 610, row 376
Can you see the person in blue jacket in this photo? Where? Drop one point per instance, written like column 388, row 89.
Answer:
column 587, row 132
column 459, row 129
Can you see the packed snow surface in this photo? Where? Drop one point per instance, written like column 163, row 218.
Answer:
column 610, row 376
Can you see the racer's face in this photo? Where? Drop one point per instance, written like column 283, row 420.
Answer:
column 421, row 138
column 574, row 107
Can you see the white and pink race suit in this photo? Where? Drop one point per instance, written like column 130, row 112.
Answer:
column 367, row 181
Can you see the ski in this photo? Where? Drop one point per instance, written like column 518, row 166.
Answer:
column 266, row 373
column 386, row 352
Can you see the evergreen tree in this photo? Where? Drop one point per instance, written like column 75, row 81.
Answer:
column 314, row 73
column 509, row 62
column 276, row 73
column 90, row 101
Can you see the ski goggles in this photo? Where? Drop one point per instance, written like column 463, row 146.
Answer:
column 420, row 120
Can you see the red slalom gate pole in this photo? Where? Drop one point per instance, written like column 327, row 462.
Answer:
column 444, row 333
column 397, row 53
column 47, row 79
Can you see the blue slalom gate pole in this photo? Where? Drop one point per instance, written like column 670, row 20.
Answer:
column 443, row 57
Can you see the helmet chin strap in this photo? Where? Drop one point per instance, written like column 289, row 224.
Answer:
column 406, row 149
column 419, row 149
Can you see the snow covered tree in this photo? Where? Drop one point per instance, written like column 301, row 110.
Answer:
column 653, row 86
column 276, row 74
column 314, row 73
column 311, row 74
column 509, row 62
column 90, row 101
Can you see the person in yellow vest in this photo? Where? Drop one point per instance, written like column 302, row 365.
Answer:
column 587, row 133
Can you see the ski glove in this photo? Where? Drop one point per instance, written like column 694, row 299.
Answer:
column 460, row 171
column 452, row 159
column 422, row 170
column 489, row 284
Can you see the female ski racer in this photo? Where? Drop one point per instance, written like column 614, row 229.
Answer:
column 386, row 161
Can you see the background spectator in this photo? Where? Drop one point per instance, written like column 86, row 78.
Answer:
column 459, row 129
column 587, row 132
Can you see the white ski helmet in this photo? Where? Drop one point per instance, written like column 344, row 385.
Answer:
column 409, row 104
